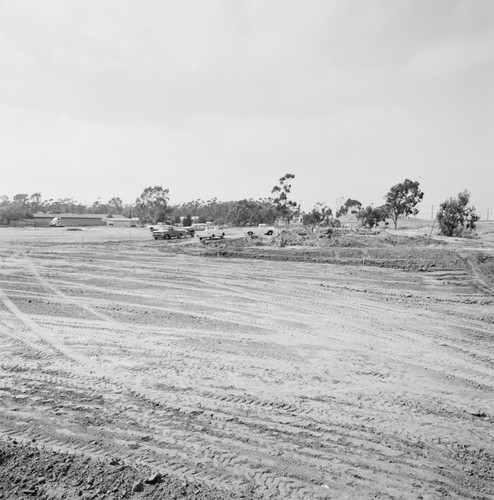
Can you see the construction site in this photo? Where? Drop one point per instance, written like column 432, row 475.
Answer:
column 297, row 365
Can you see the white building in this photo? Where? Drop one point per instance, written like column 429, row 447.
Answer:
column 120, row 221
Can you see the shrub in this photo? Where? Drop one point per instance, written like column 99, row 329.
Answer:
column 455, row 217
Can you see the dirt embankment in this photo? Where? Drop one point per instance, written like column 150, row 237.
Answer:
column 485, row 265
column 380, row 249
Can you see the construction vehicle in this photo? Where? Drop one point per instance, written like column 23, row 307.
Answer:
column 56, row 222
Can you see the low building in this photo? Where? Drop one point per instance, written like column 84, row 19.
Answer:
column 41, row 219
column 121, row 221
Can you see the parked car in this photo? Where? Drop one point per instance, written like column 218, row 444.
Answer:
column 168, row 232
column 152, row 227
column 211, row 232
column 196, row 228
column 263, row 229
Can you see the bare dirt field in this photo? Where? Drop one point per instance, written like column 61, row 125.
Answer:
column 290, row 367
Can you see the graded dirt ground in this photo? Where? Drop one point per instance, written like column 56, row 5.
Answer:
column 134, row 368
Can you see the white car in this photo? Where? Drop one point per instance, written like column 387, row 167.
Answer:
column 211, row 232
column 263, row 229
column 153, row 227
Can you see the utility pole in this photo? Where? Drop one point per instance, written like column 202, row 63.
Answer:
column 432, row 228
column 339, row 202
column 432, row 212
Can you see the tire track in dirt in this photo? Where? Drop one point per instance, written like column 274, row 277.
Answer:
column 41, row 342
column 159, row 425
column 318, row 308
column 88, row 449
column 60, row 294
column 219, row 283
column 295, row 328
column 57, row 292
column 305, row 432
column 219, row 455
column 42, row 351
column 180, row 306
column 183, row 314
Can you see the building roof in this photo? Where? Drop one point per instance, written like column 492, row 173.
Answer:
column 118, row 217
column 69, row 216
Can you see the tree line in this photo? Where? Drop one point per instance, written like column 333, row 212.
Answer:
column 455, row 216
column 23, row 206
column 153, row 205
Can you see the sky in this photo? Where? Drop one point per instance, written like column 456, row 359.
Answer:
column 221, row 98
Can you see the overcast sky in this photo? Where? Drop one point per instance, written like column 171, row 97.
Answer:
column 220, row 98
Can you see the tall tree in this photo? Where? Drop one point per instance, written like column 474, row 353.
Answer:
column 152, row 205
column 402, row 199
column 35, row 202
column 285, row 207
column 116, row 205
column 251, row 212
column 22, row 200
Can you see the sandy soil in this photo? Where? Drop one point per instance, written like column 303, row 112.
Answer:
column 134, row 368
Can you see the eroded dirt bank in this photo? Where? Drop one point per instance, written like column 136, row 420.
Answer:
column 242, row 378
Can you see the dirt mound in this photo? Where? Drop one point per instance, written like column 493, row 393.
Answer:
column 327, row 238
column 380, row 250
column 360, row 238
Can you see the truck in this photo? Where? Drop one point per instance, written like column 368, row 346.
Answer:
column 211, row 232
column 152, row 227
column 56, row 222
column 205, row 231
column 168, row 232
